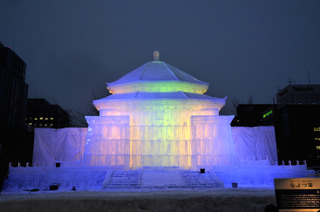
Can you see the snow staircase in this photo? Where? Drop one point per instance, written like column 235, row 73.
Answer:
column 197, row 179
column 122, row 179
column 161, row 179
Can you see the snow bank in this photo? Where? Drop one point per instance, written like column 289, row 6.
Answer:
column 231, row 200
column 107, row 189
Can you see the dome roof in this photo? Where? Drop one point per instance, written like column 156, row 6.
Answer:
column 157, row 76
column 156, row 71
column 158, row 82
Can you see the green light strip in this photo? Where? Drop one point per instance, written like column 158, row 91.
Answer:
column 159, row 86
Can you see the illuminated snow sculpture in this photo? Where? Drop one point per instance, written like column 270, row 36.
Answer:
column 158, row 116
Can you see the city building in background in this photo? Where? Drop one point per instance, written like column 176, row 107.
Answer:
column 40, row 113
column 252, row 115
column 296, row 118
column 297, row 123
column 17, row 142
column 13, row 89
column 299, row 94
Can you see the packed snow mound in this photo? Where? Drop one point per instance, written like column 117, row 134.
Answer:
column 229, row 200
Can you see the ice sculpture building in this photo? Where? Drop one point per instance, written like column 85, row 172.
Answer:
column 156, row 129
column 159, row 116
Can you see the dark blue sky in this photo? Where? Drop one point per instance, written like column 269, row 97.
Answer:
column 243, row 48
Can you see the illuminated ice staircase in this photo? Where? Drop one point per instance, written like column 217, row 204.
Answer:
column 161, row 179
column 122, row 178
column 197, row 179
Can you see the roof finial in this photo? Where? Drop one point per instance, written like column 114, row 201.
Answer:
column 156, row 55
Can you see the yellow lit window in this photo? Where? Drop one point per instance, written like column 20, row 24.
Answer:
column 41, row 118
column 316, row 129
column 317, row 139
column 46, row 119
column 35, row 119
column 30, row 124
column 318, row 147
column 51, row 118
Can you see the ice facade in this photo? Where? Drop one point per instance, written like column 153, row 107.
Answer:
column 159, row 116
column 255, row 146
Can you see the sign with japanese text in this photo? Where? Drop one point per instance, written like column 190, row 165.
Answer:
column 297, row 194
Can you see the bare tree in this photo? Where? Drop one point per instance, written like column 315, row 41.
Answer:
column 250, row 99
column 77, row 119
column 236, row 103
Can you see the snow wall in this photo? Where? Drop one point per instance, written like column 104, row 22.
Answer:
column 67, row 145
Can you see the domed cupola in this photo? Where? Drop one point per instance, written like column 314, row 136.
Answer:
column 157, row 76
column 156, row 80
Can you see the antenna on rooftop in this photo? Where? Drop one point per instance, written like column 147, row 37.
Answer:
column 308, row 77
column 290, row 81
column 156, row 55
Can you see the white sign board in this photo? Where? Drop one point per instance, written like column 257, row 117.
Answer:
column 297, row 194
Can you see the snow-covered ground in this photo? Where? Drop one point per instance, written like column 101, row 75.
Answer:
column 240, row 199
column 148, row 189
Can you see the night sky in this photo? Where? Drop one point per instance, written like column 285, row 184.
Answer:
column 242, row 48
